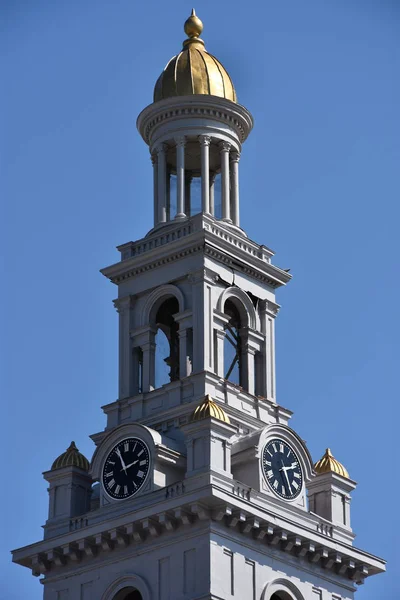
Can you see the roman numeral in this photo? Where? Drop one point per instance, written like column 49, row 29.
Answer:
column 295, row 484
column 270, row 474
column 109, row 474
column 125, row 489
column 110, row 462
column 283, row 490
column 126, row 446
column 142, row 462
column 274, row 447
column 111, row 483
column 140, row 474
column 275, row 484
column 281, row 448
column 141, row 452
column 267, row 462
column 296, row 474
column 116, row 491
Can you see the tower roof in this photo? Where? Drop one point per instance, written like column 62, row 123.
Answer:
column 194, row 70
column 329, row 464
column 71, row 458
column 209, row 408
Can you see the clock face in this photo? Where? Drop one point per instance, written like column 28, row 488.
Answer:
column 282, row 469
column 126, row 468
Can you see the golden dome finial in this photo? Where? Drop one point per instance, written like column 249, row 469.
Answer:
column 209, row 408
column 193, row 26
column 329, row 464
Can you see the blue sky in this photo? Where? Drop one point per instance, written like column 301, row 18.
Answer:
column 319, row 181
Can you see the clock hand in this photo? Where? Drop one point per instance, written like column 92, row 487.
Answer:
column 292, row 466
column 122, row 460
column 130, row 464
column 284, row 469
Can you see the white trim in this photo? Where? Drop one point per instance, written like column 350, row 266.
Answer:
column 158, row 294
column 129, row 580
column 244, row 299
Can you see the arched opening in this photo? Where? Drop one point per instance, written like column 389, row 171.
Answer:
column 281, row 596
column 233, row 363
column 128, row 594
column 167, row 343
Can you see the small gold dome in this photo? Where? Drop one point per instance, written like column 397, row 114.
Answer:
column 209, row 408
column 329, row 464
column 71, row 458
column 194, row 70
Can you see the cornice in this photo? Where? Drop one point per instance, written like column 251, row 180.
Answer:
column 230, row 503
column 225, row 248
column 196, row 107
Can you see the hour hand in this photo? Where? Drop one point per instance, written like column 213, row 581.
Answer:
column 130, row 464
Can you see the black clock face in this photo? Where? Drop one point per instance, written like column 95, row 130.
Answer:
column 282, row 469
column 126, row 468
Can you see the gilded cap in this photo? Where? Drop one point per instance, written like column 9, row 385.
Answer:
column 71, row 458
column 194, row 70
column 329, row 464
column 209, row 408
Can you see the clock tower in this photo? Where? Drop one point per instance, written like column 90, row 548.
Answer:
column 198, row 488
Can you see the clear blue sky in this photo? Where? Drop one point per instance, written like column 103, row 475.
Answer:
column 319, row 184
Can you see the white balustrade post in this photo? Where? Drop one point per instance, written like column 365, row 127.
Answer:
column 205, row 141
column 180, row 177
column 162, row 182
column 155, row 186
column 225, row 183
column 234, row 172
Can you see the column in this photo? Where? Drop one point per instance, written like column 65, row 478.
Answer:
column 225, row 184
column 212, row 194
column 220, row 321
column 126, row 374
column 149, row 356
column 180, row 177
column 162, row 182
column 205, row 141
column 183, row 370
column 155, row 186
column 188, row 181
column 234, row 173
column 248, row 366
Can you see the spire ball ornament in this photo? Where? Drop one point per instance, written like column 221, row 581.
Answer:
column 193, row 25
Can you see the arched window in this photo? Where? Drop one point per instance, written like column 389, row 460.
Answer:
column 233, row 367
column 167, row 343
column 128, row 594
column 281, row 595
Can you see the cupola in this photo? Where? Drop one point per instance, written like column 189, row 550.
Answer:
column 195, row 130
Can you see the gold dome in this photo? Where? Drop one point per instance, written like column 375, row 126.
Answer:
column 209, row 408
column 329, row 464
column 194, row 70
column 71, row 458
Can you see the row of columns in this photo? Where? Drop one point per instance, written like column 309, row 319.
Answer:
column 201, row 334
column 229, row 181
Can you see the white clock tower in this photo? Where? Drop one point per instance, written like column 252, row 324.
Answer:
column 198, row 488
